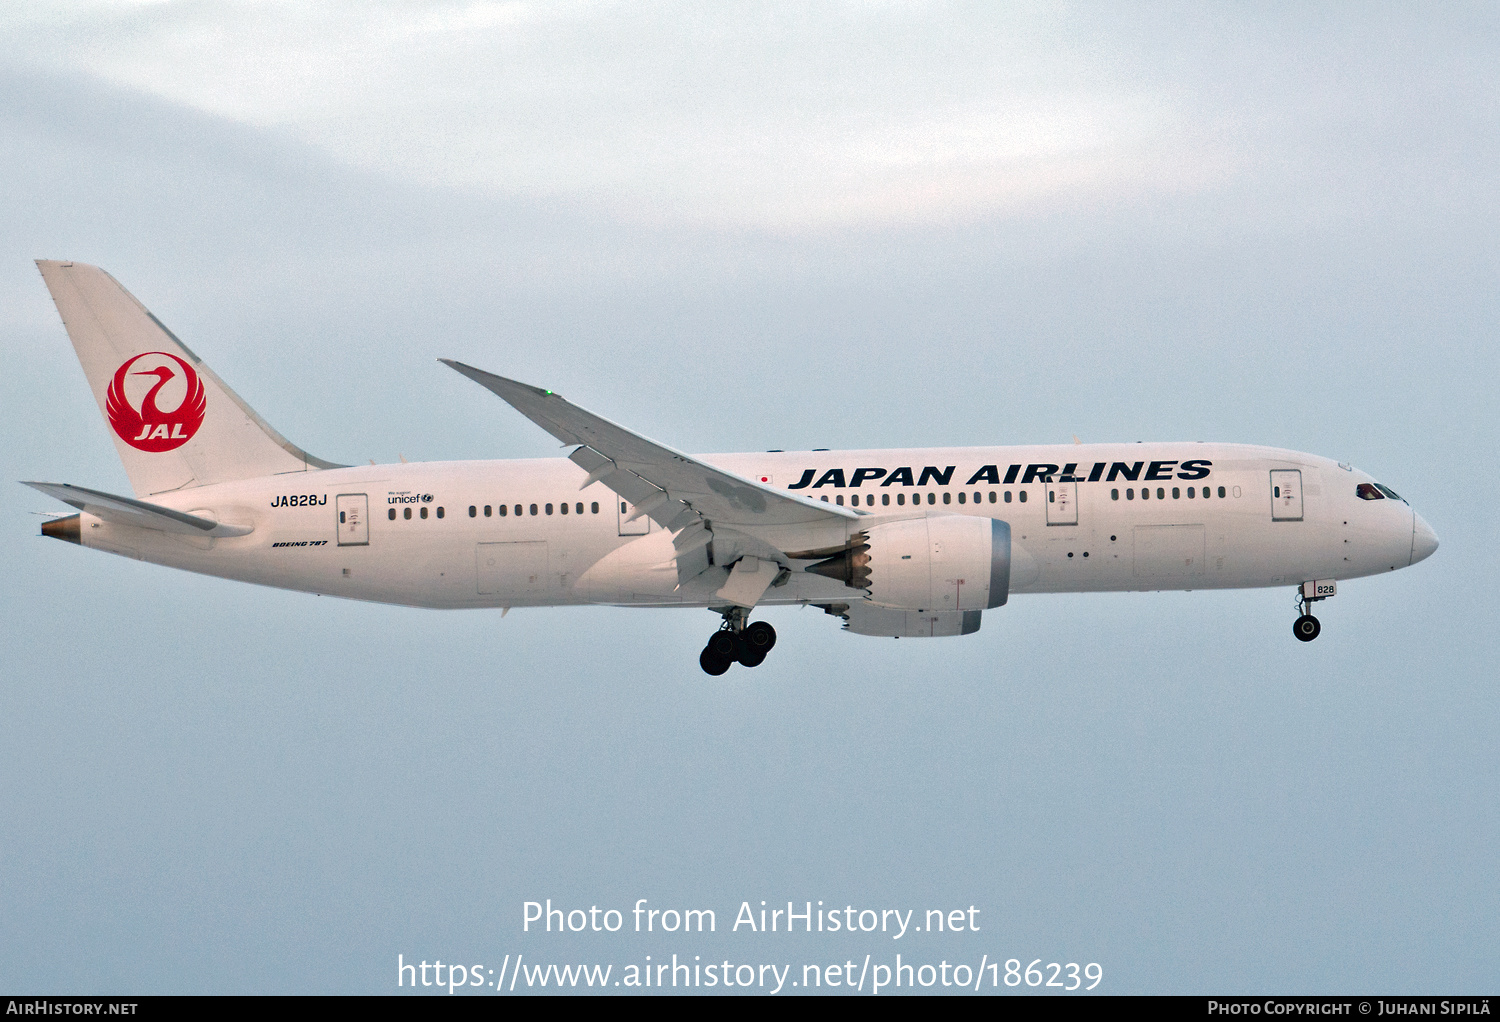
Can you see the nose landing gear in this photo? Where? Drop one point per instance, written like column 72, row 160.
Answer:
column 1306, row 628
column 737, row 642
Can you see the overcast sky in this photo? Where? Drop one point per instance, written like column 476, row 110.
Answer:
column 738, row 228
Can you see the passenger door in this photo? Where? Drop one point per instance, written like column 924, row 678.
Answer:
column 354, row 519
column 1286, row 495
column 1062, row 503
column 639, row 527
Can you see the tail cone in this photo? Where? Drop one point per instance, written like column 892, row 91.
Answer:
column 62, row 528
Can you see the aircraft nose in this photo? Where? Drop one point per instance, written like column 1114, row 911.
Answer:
column 1423, row 540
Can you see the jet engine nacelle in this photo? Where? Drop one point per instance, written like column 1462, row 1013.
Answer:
column 941, row 563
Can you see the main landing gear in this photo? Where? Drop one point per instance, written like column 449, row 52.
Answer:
column 1306, row 627
column 737, row 642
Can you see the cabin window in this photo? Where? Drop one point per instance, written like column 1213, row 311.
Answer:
column 961, row 498
column 1190, row 493
column 533, row 509
column 992, row 496
column 1221, row 491
column 594, row 507
column 825, row 499
column 1161, row 493
column 440, row 512
column 486, row 510
column 423, row 513
column 932, row 498
column 947, row 497
column 1007, row 496
column 1023, row 496
column 1130, row 493
column 549, row 509
column 391, row 514
column 1114, row 494
column 1176, row 493
column 564, row 509
column 578, row 508
column 900, row 499
column 406, row 513
column 885, row 499
column 473, row 511
column 841, row 500
column 504, row 510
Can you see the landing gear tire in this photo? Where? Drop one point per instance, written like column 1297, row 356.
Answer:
column 1306, row 628
column 759, row 637
column 712, row 663
column 737, row 643
column 725, row 646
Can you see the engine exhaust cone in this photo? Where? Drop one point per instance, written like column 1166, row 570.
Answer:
column 852, row 567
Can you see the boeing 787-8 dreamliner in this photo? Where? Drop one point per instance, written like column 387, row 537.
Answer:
column 915, row 542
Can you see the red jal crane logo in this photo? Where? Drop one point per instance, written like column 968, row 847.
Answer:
column 145, row 424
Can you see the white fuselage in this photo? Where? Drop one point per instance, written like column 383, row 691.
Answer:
column 1075, row 526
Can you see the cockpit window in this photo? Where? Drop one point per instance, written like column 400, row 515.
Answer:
column 1368, row 491
column 1388, row 491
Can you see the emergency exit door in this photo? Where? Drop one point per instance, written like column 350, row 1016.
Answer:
column 1286, row 495
column 1062, row 503
column 354, row 519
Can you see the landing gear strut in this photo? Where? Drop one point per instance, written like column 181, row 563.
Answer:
column 737, row 642
column 1307, row 627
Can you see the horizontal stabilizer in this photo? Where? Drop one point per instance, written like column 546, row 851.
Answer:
column 137, row 513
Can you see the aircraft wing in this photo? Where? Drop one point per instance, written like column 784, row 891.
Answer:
column 674, row 489
column 137, row 513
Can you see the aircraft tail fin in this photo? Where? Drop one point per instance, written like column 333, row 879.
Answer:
column 175, row 424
